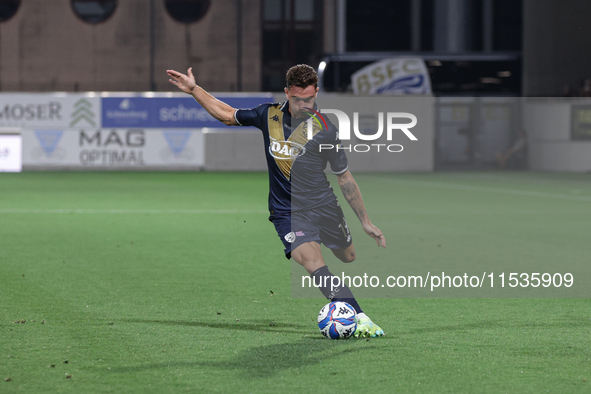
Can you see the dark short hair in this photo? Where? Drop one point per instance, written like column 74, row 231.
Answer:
column 301, row 76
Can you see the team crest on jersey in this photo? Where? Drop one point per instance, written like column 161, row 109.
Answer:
column 286, row 150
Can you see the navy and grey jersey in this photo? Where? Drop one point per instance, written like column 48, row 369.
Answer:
column 296, row 164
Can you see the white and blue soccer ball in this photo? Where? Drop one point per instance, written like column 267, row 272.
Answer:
column 337, row 320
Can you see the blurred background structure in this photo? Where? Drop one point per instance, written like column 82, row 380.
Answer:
column 474, row 51
column 516, row 47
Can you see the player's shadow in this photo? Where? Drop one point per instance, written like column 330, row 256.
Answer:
column 241, row 325
column 267, row 361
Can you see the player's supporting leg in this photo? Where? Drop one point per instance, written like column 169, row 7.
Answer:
column 309, row 255
column 365, row 327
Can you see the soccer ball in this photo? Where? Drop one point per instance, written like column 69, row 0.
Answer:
column 337, row 320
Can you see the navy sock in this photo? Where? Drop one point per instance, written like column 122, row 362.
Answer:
column 322, row 279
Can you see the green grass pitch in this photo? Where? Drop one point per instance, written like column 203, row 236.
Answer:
column 175, row 282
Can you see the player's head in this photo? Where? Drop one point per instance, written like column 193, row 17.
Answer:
column 301, row 89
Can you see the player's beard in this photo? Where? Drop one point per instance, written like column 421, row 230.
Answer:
column 299, row 114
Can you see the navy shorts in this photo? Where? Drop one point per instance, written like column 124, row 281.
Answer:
column 324, row 225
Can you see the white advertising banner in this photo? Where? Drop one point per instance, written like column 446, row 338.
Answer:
column 50, row 110
column 403, row 75
column 10, row 153
column 113, row 148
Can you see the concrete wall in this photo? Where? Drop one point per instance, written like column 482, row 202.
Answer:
column 550, row 147
column 234, row 150
column 46, row 47
column 557, row 38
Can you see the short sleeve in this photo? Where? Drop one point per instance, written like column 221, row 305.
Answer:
column 336, row 157
column 251, row 117
column 338, row 163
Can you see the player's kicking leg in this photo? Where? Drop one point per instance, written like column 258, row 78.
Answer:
column 365, row 327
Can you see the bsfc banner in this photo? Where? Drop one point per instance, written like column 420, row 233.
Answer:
column 403, row 75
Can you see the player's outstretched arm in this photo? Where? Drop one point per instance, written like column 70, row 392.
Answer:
column 352, row 194
column 216, row 108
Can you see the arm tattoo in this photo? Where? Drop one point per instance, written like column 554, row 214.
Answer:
column 353, row 196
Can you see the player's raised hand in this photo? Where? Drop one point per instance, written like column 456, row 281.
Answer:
column 186, row 83
column 375, row 233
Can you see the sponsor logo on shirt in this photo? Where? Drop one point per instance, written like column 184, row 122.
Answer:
column 286, row 150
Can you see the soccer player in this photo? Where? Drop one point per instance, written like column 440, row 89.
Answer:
column 302, row 204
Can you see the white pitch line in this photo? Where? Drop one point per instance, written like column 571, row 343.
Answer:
column 456, row 186
column 132, row 211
